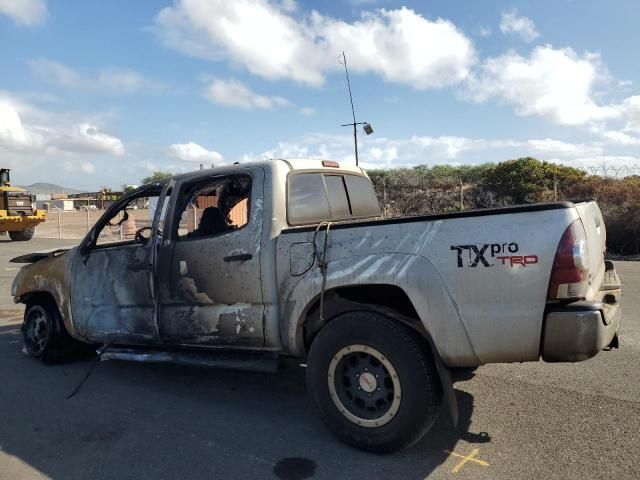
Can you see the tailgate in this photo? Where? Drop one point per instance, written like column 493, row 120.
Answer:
column 596, row 238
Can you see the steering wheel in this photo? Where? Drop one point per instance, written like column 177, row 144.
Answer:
column 141, row 238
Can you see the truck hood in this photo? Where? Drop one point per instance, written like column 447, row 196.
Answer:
column 37, row 256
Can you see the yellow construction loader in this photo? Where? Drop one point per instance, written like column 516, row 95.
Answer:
column 18, row 214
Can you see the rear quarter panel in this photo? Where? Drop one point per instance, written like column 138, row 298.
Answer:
column 478, row 303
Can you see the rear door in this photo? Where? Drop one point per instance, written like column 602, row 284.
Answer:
column 209, row 271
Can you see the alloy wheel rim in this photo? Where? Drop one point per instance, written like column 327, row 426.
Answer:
column 364, row 386
column 36, row 331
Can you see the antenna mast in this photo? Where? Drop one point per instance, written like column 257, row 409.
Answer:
column 367, row 128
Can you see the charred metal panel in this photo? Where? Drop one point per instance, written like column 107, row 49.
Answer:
column 210, row 289
column 50, row 275
column 112, row 295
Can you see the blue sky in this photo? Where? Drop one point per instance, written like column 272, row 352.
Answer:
column 102, row 93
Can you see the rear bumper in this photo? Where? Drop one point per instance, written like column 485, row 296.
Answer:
column 578, row 331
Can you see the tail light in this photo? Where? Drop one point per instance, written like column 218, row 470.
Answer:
column 570, row 273
column 330, row 163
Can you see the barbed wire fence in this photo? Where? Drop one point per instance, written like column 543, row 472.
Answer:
column 423, row 192
column 613, row 171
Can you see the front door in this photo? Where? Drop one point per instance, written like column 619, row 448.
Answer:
column 112, row 296
column 209, row 279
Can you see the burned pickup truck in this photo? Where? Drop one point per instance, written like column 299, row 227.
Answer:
column 240, row 266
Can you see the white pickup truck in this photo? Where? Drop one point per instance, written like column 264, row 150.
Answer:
column 238, row 266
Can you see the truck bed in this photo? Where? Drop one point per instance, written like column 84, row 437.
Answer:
column 478, row 278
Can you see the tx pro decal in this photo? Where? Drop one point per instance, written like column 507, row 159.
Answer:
column 490, row 254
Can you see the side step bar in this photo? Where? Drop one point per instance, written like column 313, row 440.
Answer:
column 255, row 362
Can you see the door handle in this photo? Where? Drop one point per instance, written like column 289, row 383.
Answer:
column 238, row 258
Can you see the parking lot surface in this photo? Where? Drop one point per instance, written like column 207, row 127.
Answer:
column 526, row 421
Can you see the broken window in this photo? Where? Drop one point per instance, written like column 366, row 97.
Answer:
column 214, row 207
column 132, row 222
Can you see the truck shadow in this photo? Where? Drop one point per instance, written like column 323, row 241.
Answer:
column 164, row 421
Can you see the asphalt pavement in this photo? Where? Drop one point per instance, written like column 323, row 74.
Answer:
column 138, row 421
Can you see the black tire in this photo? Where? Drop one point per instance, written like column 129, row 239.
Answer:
column 45, row 336
column 22, row 235
column 369, row 338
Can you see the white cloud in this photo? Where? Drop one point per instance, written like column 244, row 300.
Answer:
column 55, row 72
column 428, row 150
column 384, row 152
column 553, row 83
column 307, row 111
column 114, row 80
column 522, row 26
column 192, row 152
column 124, row 80
column 232, row 93
column 288, row 5
column 84, row 137
column 631, row 108
column 12, row 132
column 484, row 31
column 400, row 45
column 88, row 168
column 23, row 128
column 619, row 138
column 551, row 147
column 24, row 12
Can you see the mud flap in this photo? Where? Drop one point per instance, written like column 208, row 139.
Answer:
column 448, row 395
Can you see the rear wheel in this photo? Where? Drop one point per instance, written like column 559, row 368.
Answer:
column 22, row 235
column 45, row 336
column 373, row 382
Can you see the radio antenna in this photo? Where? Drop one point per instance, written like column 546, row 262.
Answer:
column 342, row 59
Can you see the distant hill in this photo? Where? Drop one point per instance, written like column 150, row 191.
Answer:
column 48, row 188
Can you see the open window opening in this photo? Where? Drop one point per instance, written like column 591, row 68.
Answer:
column 214, row 207
column 131, row 222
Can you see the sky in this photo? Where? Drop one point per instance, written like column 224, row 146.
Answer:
column 96, row 93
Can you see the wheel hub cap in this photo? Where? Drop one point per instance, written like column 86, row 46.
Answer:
column 368, row 382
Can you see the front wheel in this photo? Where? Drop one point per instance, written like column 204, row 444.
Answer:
column 22, row 235
column 45, row 336
column 373, row 382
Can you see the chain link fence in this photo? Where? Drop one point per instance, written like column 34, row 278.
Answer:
column 417, row 195
column 421, row 191
column 74, row 224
